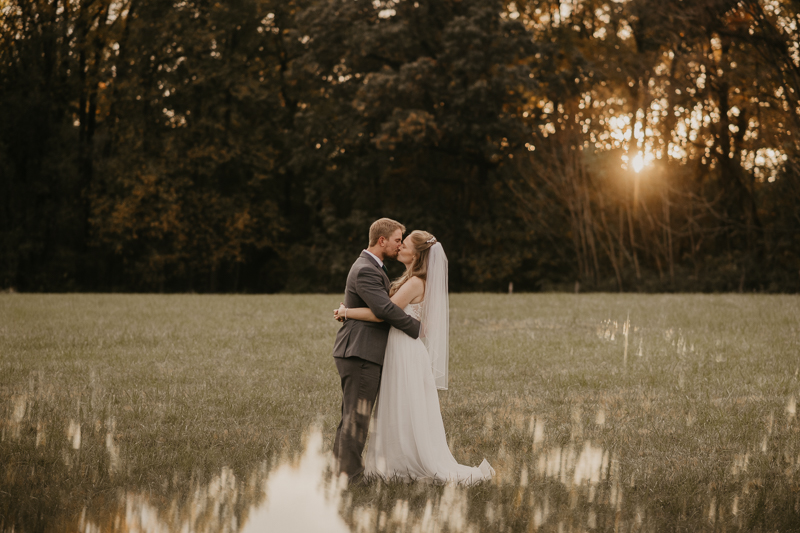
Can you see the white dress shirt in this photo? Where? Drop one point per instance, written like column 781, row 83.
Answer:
column 380, row 263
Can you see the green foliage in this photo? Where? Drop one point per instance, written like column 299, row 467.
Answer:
column 420, row 131
column 247, row 145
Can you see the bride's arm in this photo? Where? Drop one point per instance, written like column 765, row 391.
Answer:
column 355, row 313
column 410, row 290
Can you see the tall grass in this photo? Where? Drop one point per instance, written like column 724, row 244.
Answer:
column 187, row 407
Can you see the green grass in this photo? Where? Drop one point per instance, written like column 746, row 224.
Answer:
column 177, row 396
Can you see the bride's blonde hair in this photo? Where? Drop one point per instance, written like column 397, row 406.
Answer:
column 421, row 242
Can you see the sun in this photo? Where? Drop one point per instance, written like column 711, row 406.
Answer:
column 638, row 162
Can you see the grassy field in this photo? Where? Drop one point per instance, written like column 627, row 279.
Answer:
column 599, row 412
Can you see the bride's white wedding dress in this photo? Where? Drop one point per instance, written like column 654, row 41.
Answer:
column 407, row 440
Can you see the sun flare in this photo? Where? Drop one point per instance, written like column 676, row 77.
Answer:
column 638, row 162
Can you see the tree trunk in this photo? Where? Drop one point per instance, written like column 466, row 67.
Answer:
column 668, row 230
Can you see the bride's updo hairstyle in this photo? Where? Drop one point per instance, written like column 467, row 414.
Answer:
column 421, row 242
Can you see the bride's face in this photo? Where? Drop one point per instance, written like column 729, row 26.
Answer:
column 406, row 254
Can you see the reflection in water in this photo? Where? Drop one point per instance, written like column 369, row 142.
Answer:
column 74, row 434
column 299, row 494
column 18, row 408
column 579, row 486
column 591, row 465
column 556, row 472
column 294, row 496
column 111, row 446
column 298, row 498
column 537, row 428
column 600, row 417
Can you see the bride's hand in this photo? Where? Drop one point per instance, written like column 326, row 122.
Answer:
column 338, row 314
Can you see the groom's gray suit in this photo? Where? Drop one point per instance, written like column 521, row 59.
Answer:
column 358, row 352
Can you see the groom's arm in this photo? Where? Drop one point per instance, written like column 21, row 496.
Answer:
column 370, row 288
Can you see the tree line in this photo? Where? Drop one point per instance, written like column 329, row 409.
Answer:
column 246, row 146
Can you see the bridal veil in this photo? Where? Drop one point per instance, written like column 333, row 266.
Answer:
column 436, row 315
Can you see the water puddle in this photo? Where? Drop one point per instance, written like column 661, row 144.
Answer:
column 580, row 486
column 577, row 471
column 293, row 495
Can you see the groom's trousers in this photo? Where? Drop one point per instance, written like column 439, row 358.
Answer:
column 360, row 382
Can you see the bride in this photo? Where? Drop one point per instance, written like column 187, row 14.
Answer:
column 407, row 439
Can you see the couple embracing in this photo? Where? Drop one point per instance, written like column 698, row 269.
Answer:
column 394, row 337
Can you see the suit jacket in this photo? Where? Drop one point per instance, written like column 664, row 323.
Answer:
column 368, row 286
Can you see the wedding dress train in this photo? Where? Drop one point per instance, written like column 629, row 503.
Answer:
column 407, row 441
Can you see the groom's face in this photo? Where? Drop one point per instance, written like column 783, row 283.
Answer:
column 392, row 245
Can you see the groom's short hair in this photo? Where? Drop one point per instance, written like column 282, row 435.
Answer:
column 383, row 227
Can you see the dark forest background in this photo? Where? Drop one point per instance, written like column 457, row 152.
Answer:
column 246, row 145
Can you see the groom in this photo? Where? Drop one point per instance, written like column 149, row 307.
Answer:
column 360, row 346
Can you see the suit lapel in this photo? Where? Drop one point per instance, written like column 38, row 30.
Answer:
column 375, row 264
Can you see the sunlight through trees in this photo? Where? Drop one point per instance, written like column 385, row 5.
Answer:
column 246, row 146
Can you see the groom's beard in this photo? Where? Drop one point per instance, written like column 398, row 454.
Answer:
column 389, row 255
